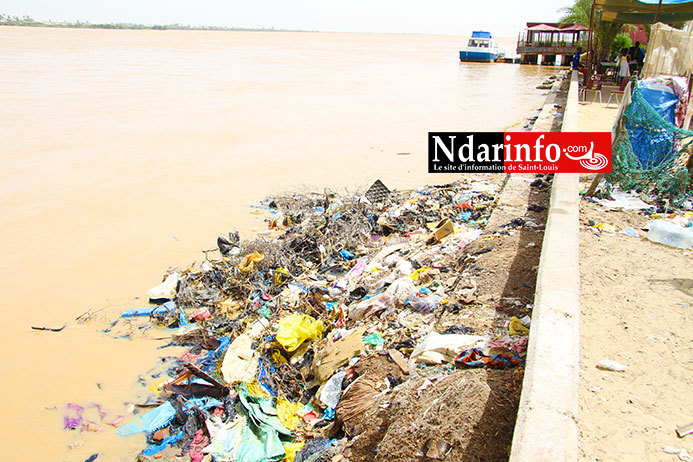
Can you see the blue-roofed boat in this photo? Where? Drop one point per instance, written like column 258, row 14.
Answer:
column 481, row 47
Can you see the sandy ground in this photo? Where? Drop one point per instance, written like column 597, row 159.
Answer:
column 595, row 117
column 636, row 310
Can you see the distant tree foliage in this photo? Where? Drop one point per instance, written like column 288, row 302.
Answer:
column 579, row 13
column 608, row 31
column 9, row 20
column 620, row 42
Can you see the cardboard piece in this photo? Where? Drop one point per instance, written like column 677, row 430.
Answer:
column 398, row 359
column 337, row 354
column 442, row 229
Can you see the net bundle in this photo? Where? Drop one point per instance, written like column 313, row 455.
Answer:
column 652, row 154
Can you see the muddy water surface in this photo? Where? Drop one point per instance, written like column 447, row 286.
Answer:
column 124, row 152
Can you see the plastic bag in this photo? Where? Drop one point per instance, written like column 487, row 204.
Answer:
column 161, row 416
column 438, row 348
column 661, row 98
column 357, row 269
column 375, row 339
column 165, row 290
column 296, row 329
column 370, row 306
column 516, row 327
column 401, row 289
column 286, row 412
column 333, row 390
column 239, row 364
column 247, row 264
column 424, row 301
column 292, row 449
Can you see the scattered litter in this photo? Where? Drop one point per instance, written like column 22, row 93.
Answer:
column 518, row 344
column 684, row 430
column 438, row 348
column 50, row 329
column 516, row 327
column 605, row 228
column 474, row 357
column 670, row 233
column 630, row 232
column 681, row 453
column 624, row 200
column 296, row 336
column 166, row 290
column 437, row 448
column 609, row 365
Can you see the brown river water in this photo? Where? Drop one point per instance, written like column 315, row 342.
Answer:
column 125, row 152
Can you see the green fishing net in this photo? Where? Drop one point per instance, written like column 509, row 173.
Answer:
column 652, row 154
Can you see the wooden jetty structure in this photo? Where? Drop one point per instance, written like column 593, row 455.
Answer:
column 555, row 44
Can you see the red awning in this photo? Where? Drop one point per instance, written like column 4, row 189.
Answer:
column 543, row 28
column 574, row 27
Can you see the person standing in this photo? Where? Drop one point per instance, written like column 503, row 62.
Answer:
column 637, row 55
column 576, row 61
column 622, row 65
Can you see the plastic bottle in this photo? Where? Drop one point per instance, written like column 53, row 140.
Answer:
column 423, row 301
column 668, row 233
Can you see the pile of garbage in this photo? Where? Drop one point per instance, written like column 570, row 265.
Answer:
column 334, row 313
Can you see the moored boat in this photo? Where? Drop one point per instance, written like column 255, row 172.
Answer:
column 481, row 47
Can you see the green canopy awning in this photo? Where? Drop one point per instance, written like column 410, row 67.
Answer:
column 644, row 12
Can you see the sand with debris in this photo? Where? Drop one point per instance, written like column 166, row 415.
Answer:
column 637, row 298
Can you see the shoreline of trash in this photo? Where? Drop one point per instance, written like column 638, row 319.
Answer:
column 282, row 328
column 345, row 307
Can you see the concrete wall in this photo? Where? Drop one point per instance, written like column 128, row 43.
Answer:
column 546, row 426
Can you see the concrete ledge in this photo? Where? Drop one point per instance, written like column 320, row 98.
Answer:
column 546, row 426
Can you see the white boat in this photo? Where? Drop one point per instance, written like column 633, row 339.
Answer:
column 481, row 47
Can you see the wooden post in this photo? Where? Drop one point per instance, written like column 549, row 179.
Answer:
column 595, row 37
column 620, row 134
column 590, row 34
column 659, row 6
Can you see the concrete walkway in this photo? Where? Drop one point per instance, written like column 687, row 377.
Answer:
column 546, row 427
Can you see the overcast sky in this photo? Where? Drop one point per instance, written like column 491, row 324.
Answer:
column 459, row 17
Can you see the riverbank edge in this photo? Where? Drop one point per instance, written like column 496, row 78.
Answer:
column 545, row 118
column 546, row 426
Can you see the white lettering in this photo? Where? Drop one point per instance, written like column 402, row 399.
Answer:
column 468, row 147
column 448, row 152
column 537, row 149
column 556, row 148
column 518, row 156
column 483, row 155
column 496, row 148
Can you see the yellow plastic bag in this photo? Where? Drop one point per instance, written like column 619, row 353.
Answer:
column 155, row 385
column 415, row 274
column 277, row 357
column 280, row 275
column 292, row 449
column 247, row 263
column 256, row 389
column 296, row 329
column 516, row 327
column 286, row 412
column 606, row 227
